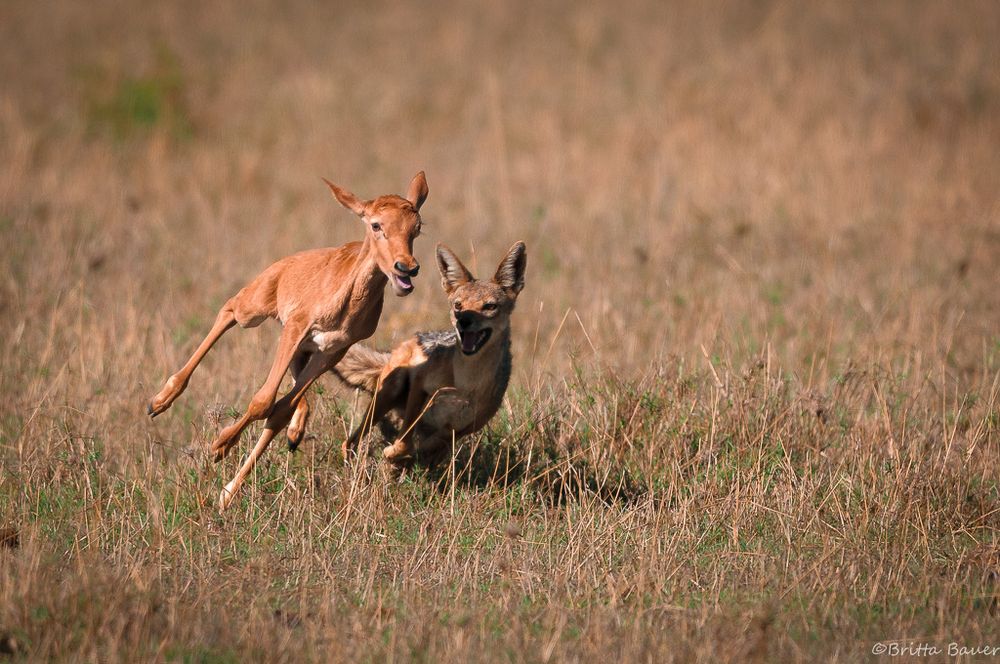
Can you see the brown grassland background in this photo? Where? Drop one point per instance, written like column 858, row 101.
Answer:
column 755, row 411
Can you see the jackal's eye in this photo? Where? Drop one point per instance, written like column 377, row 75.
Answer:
column 490, row 306
column 458, row 306
column 377, row 227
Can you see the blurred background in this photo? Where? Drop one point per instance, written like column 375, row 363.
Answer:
column 821, row 178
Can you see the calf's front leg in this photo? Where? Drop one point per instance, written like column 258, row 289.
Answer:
column 280, row 416
column 296, row 431
column 260, row 406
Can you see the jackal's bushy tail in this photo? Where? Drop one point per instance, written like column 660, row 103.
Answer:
column 361, row 367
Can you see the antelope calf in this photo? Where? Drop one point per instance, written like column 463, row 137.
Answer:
column 326, row 300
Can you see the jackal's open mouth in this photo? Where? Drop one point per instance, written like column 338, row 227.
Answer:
column 403, row 285
column 473, row 341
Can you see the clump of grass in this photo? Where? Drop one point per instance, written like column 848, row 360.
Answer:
column 125, row 106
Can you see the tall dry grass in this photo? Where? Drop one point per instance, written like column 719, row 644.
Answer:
column 754, row 412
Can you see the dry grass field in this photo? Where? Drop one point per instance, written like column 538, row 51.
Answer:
column 755, row 409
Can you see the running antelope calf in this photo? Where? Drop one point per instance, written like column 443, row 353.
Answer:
column 447, row 383
column 326, row 300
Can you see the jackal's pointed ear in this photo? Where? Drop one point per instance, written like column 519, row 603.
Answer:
column 347, row 199
column 510, row 273
column 453, row 273
column 417, row 192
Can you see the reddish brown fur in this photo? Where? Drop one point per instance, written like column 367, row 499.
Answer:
column 326, row 299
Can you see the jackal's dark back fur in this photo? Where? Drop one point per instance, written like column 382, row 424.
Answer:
column 362, row 365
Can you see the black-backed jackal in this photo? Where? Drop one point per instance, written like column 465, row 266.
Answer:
column 446, row 383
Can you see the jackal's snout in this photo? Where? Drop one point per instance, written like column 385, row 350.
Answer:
column 464, row 320
column 474, row 330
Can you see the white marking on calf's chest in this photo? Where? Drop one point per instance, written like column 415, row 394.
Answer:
column 327, row 341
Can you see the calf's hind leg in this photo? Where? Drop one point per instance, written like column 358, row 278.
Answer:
column 176, row 384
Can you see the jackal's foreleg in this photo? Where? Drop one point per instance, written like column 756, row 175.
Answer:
column 416, row 400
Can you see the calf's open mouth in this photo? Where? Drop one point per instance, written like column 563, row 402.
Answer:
column 403, row 284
